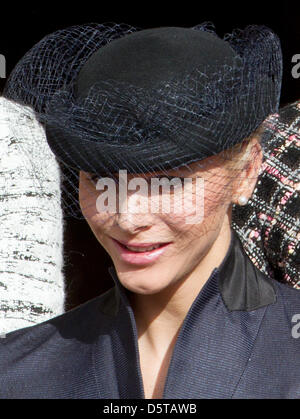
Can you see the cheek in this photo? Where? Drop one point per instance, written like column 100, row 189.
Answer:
column 202, row 216
column 87, row 197
column 100, row 224
column 201, row 202
column 217, row 193
column 97, row 221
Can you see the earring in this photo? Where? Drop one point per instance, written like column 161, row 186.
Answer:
column 242, row 200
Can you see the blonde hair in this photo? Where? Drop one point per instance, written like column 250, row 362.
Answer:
column 238, row 156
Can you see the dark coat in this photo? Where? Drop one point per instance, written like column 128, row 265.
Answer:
column 238, row 340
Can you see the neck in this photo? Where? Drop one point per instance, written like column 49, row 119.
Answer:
column 159, row 316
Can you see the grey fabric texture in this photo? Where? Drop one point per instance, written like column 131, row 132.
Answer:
column 92, row 352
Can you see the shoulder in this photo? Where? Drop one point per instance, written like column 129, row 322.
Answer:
column 287, row 296
column 282, row 318
column 81, row 324
column 55, row 359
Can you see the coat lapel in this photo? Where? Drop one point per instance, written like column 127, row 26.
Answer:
column 215, row 342
column 117, row 354
column 213, row 347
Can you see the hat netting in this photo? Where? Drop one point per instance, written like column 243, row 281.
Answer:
column 195, row 126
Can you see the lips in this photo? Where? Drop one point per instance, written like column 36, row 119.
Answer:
column 139, row 253
column 140, row 247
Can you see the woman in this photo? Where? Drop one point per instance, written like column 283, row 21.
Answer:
column 190, row 316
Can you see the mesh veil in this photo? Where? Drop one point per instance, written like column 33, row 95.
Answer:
column 200, row 123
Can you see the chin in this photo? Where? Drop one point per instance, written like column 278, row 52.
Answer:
column 141, row 282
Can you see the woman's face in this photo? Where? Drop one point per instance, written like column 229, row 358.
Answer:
column 181, row 244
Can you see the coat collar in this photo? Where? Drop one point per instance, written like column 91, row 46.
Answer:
column 241, row 285
column 214, row 343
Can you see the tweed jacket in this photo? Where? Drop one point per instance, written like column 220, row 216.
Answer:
column 239, row 339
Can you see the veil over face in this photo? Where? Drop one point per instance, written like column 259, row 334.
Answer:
column 192, row 218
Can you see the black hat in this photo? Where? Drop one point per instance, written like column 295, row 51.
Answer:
column 113, row 97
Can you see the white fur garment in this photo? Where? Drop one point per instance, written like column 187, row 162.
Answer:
column 31, row 225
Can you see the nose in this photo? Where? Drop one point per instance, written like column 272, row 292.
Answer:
column 133, row 215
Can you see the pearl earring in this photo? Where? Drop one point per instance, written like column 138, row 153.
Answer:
column 242, row 200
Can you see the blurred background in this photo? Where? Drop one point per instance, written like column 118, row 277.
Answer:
column 24, row 24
